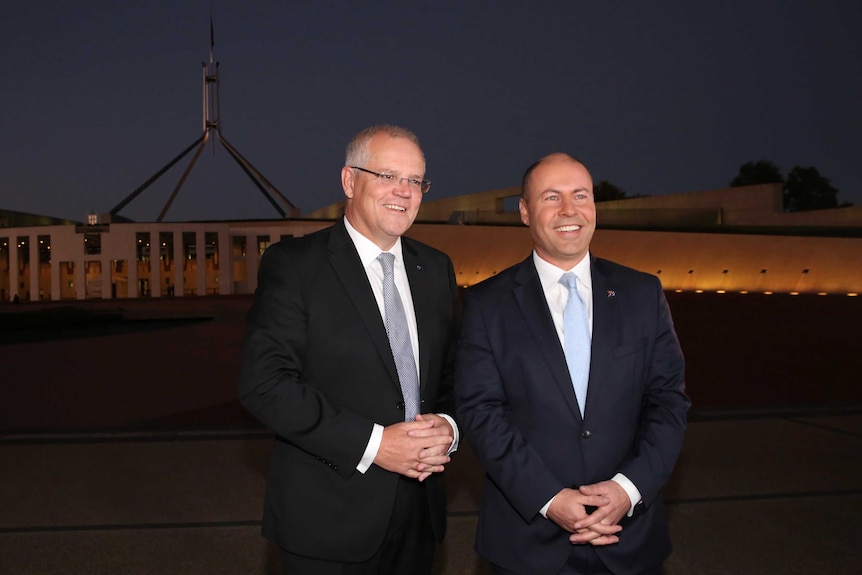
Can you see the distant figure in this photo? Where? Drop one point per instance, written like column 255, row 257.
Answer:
column 339, row 320
column 16, row 299
column 570, row 389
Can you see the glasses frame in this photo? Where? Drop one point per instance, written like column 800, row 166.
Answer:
column 424, row 185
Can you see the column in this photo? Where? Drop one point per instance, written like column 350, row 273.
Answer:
column 34, row 267
column 155, row 264
column 201, row 262
column 252, row 259
column 13, row 265
column 179, row 264
column 225, row 271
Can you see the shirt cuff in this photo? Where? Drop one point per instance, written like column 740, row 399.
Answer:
column 544, row 510
column 371, row 449
column 456, row 435
column 630, row 489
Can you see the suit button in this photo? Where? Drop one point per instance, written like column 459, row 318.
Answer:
column 400, row 405
column 586, row 434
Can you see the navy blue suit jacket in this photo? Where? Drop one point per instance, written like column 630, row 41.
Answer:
column 518, row 410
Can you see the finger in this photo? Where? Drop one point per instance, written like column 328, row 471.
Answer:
column 604, row 529
column 583, row 536
column 428, row 452
column 593, row 500
column 605, row 540
column 594, row 518
column 418, row 424
column 430, row 432
column 434, row 461
column 431, row 469
column 592, row 489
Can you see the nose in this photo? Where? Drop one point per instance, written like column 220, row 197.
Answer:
column 567, row 206
column 403, row 188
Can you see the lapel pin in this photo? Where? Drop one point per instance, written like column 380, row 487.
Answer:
column 418, row 268
column 612, row 293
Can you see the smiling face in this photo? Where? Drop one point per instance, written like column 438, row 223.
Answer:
column 559, row 207
column 382, row 211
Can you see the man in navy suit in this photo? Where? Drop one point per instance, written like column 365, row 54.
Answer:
column 572, row 485
column 354, row 481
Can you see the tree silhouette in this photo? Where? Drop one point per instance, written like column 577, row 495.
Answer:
column 806, row 189
column 604, row 191
column 754, row 173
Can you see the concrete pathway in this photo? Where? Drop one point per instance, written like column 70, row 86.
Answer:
column 760, row 492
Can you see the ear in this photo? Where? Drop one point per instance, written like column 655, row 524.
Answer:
column 525, row 213
column 348, row 179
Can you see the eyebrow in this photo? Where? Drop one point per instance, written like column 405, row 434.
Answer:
column 556, row 191
column 394, row 172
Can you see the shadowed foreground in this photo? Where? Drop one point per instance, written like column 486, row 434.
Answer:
column 125, row 451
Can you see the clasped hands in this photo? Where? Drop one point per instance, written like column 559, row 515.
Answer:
column 601, row 527
column 417, row 448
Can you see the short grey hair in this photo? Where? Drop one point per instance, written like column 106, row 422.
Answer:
column 357, row 150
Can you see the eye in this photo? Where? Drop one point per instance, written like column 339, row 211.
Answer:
column 388, row 178
column 414, row 182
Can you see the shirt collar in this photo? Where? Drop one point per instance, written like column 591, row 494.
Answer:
column 549, row 274
column 368, row 250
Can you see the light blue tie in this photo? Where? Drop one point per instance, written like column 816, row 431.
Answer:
column 399, row 339
column 577, row 339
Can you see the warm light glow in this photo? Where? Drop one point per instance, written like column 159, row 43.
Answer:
column 767, row 293
column 698, row 291
column 745, row 291
column 794, row 293
column 720, row 291
column 822, row 293
column 678, row 291
column 852, row 294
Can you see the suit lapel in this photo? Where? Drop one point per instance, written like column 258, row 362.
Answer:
column 345, row 261
column 605, row 318
column 423, row 305
column 531, row 300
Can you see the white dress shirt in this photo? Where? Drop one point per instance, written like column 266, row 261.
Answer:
column 368, row 253
column 557, row 295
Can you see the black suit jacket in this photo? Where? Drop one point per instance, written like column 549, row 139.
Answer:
column 517, row 408
column 317, row 369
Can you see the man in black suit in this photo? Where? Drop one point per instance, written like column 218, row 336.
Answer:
column 578, row 418
column 354, row 482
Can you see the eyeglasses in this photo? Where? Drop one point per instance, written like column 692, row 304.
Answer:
column 415, row 184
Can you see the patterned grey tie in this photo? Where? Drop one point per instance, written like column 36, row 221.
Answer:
column 576, row 339
column 399, row 339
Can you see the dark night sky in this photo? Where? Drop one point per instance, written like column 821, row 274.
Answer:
column 657, row 97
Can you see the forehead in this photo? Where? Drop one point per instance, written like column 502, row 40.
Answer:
column 559, row 174
column 396, row 154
